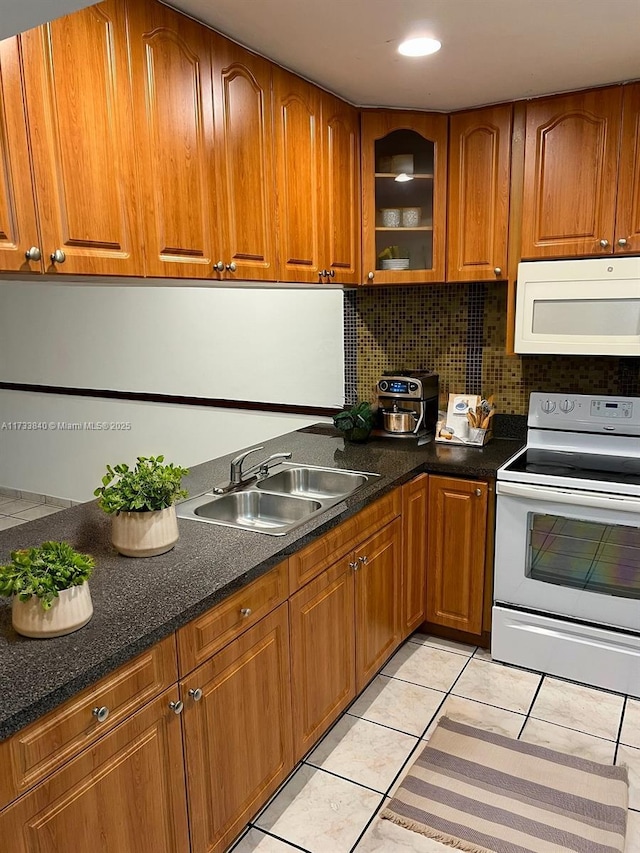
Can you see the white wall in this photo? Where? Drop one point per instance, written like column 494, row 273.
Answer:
column 68, row 463
column 265, row 345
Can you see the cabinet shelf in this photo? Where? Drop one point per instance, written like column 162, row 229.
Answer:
column 423, row 176
column 401, row 228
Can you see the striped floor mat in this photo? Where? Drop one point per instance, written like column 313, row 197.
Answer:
column 486, row 793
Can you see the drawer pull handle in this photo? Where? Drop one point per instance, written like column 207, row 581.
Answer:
column 364, row 559
column 101, row 714
column 246, row 611
column 196, row 694
column 176, row 707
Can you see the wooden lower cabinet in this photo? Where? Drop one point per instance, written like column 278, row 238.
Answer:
column 414, row 554
column 323, row 649
column 456, row 552
column 344, row 625
column 126, row 793
column 237, row 732
column 377, row 596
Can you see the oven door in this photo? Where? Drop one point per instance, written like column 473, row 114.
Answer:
column 568, row 553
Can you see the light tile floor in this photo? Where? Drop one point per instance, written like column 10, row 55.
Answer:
column 15, row 511
column 330, row 803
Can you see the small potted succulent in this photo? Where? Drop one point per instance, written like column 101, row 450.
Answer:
column 49, row 589
column 356, row 423
column 141, row 501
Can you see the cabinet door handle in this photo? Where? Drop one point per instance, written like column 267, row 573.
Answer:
column 354, row 565
column 34, row 253
column 371, row 276
column 497, row 271
column 604, row 243
column 245, row 612
column 622, row 242
column 176, row 707
column 58, row 257
column 101, row 713
column 478, row 493
column 232, row 267
column 219, row 267
column 364, row 559
column 196, row 694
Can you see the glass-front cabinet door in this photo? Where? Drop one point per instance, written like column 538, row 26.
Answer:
column 404, row 197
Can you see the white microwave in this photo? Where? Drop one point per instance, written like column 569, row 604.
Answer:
column 584, row 307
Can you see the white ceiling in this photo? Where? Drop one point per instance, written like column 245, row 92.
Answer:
column 492, row 50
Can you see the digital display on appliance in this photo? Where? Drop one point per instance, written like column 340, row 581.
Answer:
column 398, row 387
column 612, row 408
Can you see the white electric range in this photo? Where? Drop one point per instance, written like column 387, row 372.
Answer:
column 567, row 562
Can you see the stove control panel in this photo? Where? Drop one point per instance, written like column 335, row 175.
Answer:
column 585, row 413
column 611, row 408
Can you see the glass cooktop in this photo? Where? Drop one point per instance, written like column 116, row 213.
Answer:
column 577, row 465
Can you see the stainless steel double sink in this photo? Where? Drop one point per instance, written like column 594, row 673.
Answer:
column 279, row 502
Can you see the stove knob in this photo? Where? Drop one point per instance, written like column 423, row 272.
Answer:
column 548, row 406
column 566, row 406
column 413, row 386
column 384, row 385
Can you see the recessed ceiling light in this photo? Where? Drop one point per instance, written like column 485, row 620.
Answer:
column 419, row 47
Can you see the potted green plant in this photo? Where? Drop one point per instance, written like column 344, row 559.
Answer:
column 356, row 423
column 48, row 585
column 141, row 501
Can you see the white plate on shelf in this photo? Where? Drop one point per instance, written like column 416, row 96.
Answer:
column 395, row 264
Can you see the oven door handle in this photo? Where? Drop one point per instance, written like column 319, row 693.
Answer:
column 575, row 498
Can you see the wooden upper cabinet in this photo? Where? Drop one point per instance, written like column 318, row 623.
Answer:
column 173, row 106
column 456, row 552
column 18, row 228
column 77, row 89
column 298, row 138
column 244, row 160
column 478, row 204
column 627, row 233
column 570, row 174
column 403, row 221
column 340, row 201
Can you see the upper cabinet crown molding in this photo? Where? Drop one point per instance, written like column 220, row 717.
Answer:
column 78, row 98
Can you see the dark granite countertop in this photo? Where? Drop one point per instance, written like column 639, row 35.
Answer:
column 140, row 601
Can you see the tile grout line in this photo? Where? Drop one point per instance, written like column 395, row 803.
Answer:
column 367, row 824
column 624, row 710
column 531, row 704
column 344, row 778
column 271, row 835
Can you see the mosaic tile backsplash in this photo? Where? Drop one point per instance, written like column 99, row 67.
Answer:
column 459, row 331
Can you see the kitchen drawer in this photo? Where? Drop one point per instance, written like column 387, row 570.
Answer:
column 306, row 564
column 37, row 750
column 198, row 640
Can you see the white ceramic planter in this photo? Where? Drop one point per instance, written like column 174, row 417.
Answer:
column 71, row 610
column 145, row 534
